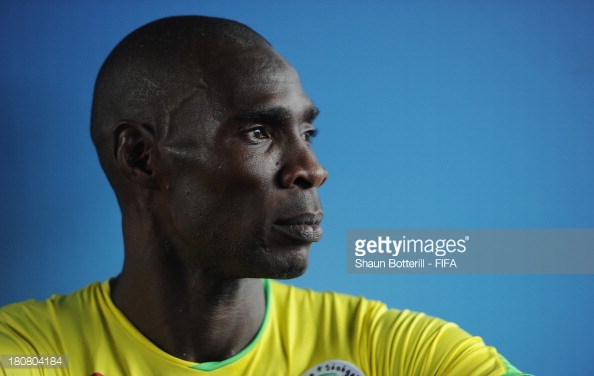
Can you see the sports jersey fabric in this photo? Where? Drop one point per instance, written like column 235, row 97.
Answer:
column 303, row 333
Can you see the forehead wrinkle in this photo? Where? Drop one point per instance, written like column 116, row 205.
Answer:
column 177, row 106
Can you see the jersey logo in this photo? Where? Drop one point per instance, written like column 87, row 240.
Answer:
column 334, row 368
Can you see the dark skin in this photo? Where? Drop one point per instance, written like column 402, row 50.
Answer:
column 227, row 197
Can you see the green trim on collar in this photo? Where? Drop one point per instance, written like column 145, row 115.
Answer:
column 511, row 370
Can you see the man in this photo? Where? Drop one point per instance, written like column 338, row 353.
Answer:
column 204, row 133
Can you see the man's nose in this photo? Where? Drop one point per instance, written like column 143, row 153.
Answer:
column 302, row 169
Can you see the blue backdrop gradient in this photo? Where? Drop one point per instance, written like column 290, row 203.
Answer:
column 458, row 114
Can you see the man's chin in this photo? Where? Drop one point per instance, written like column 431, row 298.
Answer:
column 290, row 273
column 288, row 265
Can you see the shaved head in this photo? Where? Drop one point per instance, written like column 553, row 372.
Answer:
column 155, row 68
column 204, row 132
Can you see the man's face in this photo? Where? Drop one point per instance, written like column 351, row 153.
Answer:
column 240, row 178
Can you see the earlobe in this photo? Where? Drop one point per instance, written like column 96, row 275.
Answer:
column 134, row 153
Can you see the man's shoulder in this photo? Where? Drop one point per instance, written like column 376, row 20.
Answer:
column 340, row 307
column 391, row 339
column 328, row 301
column 62, row 302
column 25, row 325
column 348, row 317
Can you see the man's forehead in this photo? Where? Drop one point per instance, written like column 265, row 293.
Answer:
column 253, row 86
column 253, row 78
column 256, row 62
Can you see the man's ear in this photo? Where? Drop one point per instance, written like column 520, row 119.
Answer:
column 134, row 146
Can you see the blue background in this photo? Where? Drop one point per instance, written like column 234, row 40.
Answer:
column 459, row 114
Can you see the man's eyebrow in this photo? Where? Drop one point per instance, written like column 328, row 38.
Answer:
column 277, row 114
column 311, row 114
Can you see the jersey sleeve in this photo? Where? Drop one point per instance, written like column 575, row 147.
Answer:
column 17, row 334
column 408, row 343
column 12, row 345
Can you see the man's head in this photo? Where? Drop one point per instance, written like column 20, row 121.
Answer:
column 204, row 133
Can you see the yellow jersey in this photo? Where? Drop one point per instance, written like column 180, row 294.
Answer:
column 303, row 333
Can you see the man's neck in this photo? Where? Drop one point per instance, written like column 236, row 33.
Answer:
column 199, row 320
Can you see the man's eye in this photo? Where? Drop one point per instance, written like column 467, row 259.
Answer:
column 309, row 135
column 258, row 133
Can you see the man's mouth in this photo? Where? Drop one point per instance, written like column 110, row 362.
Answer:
column 303, row 227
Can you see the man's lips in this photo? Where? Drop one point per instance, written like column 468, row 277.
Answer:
column 303, row 227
